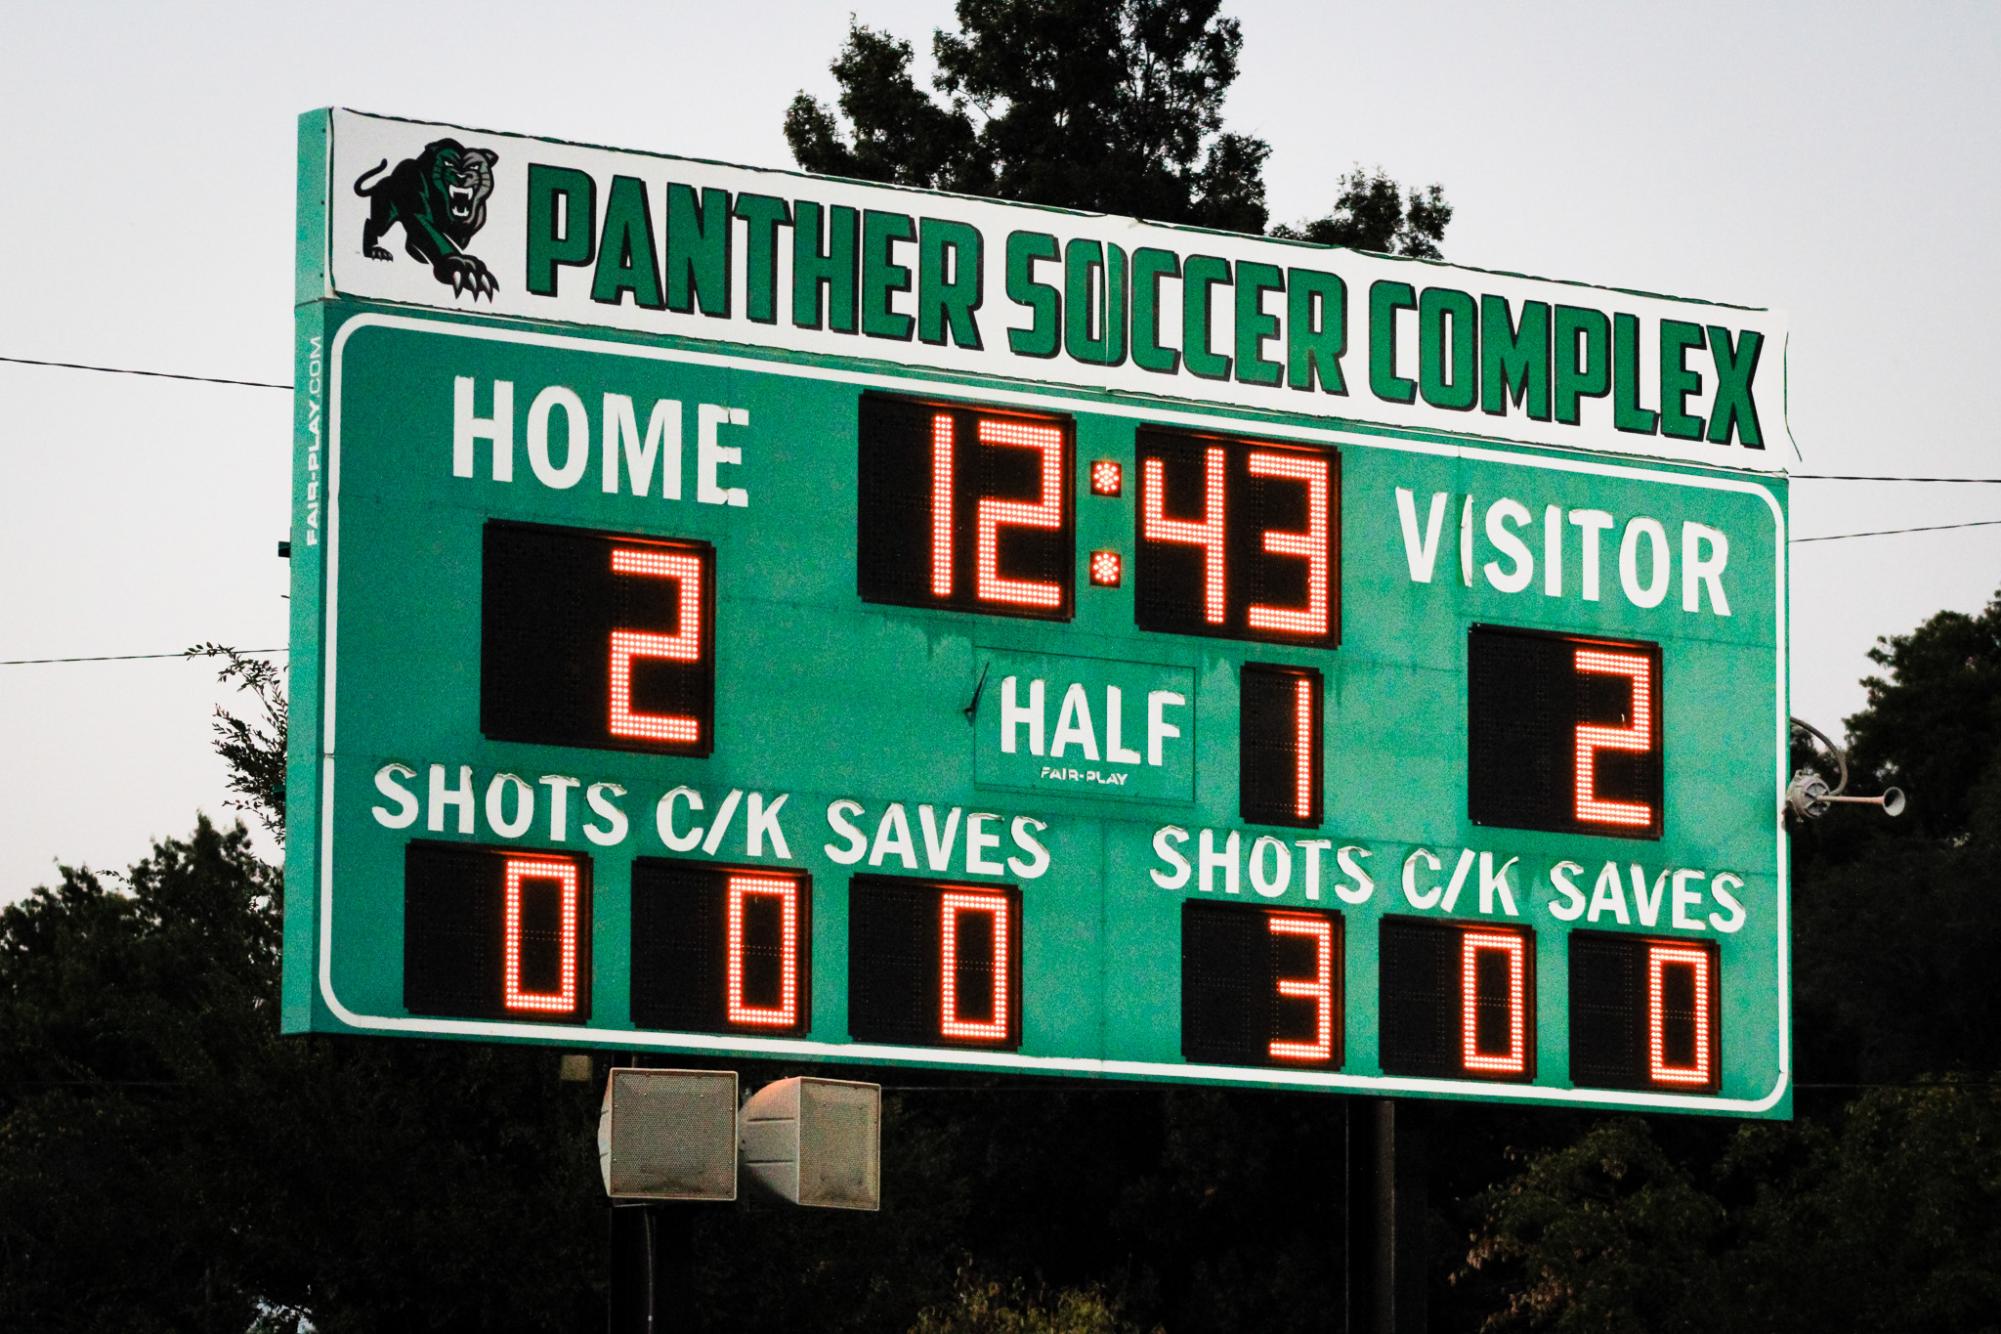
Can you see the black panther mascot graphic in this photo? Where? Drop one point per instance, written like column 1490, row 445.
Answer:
column 440, row 198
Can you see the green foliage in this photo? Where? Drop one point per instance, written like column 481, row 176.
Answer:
column 1887, row 1216
column 1106, row 107
column 167, row 1161
column 1371, row 212
column 985, row 1306
column 1896, row 920
column 1608, row 1233
column 254, row 748
column 1933, row 719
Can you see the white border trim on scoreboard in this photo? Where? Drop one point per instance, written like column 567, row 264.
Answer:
column 1078, row 1065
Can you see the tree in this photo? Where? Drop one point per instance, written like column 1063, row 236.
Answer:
column 1107, row 107
column 168, row 1161
column 1371, row 212
column 1884, row 1215
column 1933, row 718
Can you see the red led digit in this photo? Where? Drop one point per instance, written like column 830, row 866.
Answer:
column 563, row 874
column 1311, row 546
column 1207, row 534
column 952, row 1021
column 1319, row 988
column 1660, row 958
column 1302, row 747
column 941, row 505
column 1637, row 737
column 685, row 645
column 785, row 1013
column 1047, row 512
column 1513, row 1061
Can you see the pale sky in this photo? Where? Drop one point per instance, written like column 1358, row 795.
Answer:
column 1838, row 163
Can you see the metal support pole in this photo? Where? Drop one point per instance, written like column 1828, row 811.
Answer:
column 1383, row 1254
column 629, row 1305
column 1399, row 1218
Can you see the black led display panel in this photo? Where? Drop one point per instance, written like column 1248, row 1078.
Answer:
column 720, row 949
column 1457, row 999
column 934, row 964
column 596, row 639
column 1261, row 986
column 1643, row 1013
column 1563, row 733
column 1279, row 745
column 496, row 933
column 1237, row 539
column 965, row 508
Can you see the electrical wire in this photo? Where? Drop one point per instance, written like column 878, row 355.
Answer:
column 156, row 375
column 1883, row 477
column 1891, row 532
column 134, row 657
column 270, row 384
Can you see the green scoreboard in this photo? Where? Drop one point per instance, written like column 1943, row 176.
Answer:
column 746, row 613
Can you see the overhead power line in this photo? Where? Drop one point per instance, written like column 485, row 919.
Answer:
column 1891, row 532
column 1886, row 477
column 133, row 657
column 1797, row 477
column 155, row 375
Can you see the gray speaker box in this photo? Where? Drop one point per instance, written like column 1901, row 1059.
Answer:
column 815, row 1142
column 669, row 1134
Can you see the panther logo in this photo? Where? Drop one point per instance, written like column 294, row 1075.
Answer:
column 440, row 198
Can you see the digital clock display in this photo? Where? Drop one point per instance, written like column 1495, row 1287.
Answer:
column 1238, row 539
column 966, row 509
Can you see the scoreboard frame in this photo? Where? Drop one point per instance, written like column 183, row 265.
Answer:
column 316, row 941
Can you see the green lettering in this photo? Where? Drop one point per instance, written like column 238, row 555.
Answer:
column 1386, row 298
column 1678, row 381
column 1149, row 267
column 1316, row 329
column 1733, row 405
column 831, row 271
column 698, row 250
column 1514, row 358
column 1198, row 275
column 763, row 215
column 1583, row 358
column 1449, row 378
column 573, row 243
column 1083, row 306
column 1627, row 414
column 1041, row 338
column 1254, row 327
column 948, row 282
column 626, row 260
column 882, row 277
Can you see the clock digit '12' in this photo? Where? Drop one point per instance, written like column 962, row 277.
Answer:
column 966, row 509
